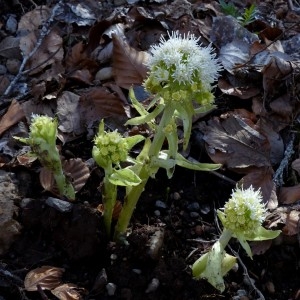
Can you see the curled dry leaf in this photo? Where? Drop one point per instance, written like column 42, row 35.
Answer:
column 128, row 64
column 75, row 169
column 68, row 291
column 236, row 144
column 47, row 277
column 13, row 115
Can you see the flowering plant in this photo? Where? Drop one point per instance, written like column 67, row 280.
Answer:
column 42, row 140
column 110, row 149
column 181, row 74
column 242, row 218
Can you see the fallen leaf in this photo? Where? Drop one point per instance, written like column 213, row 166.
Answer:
column 292, row 223
column 68, row 114
column 68, row 291
column 13, row 115
column 235, row 144
column 262, row 178
column 128, row 64
column 288, row 195
column 10, row 47
column 260, row 247
column 101, row 102
column 47, row 277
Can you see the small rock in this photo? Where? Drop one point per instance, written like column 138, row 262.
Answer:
column 111, row 289
column 137, row 271
column 176, row 196
column 160, row 204
column 270, row 287
column 198, row 230
column 113, row 257
column 194, row 214
column 11, row 24
column 13, row 65
column 3, row 70
column 60, row 205
column 194, row 206
column 153, row 286
column 157, row 213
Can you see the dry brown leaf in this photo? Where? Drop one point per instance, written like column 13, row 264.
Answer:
column 292, row 223
column 128, row 64
column 13, row 115
column 235, row 144
column 237, row 90
column 260, row 247
column 296, row 165
column 68, row 114
column 262, row 178
column 78, row 171
column 288, row 195
column 47, row 277
column 100, row 103
column 4, row 83
column 75, row 169
column 68, row 291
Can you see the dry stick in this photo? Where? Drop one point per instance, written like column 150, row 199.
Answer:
column 278, row 176
column 44, row 32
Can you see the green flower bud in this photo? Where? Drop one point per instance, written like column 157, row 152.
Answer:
column 244, row 212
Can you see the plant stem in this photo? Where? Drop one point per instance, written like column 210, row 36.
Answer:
column 225, row 237
column 135, row 192
column 109, row 200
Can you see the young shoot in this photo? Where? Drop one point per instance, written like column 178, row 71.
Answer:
column 109, row 151
column 42, row 140
column 242, row 218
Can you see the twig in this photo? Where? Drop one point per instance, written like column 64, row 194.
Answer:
column 278, row 176
column 44, row 32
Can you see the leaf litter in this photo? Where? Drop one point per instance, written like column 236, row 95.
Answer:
column 77, row 62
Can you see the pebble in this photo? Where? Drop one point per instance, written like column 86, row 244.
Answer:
column 153, row 286
column 11, row 24
column 194, row 214
column 270, row 287
column 137, row 271
column 111, row 289
column 113, row 257
column 59, row 205
column 3, row 70
column 157, row 213
column 160, row 204
column 13, row 65
column 194, row 206
column 176, row 196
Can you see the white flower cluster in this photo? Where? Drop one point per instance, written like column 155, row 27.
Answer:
column 181, row 59
column 244, row 211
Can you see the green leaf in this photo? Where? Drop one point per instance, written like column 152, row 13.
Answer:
column 262, row 234
column 146, row 118
column 133, row 140
column 124, row 177
column 213, row 266
column 197, row 166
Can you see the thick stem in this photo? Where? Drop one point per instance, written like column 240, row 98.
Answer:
column 225, row 237
column 135, row 192
column 109, row 200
